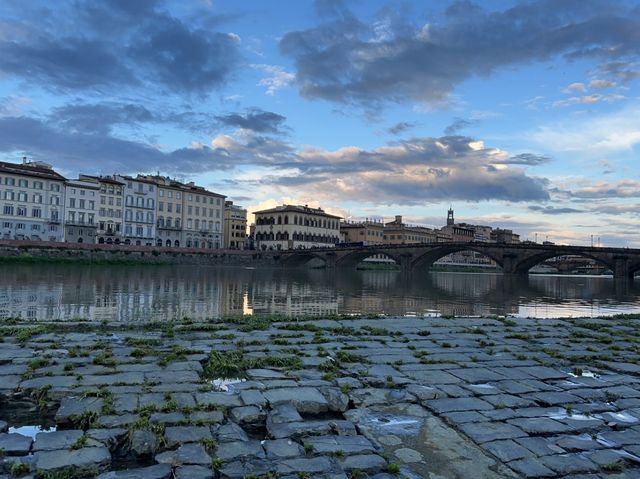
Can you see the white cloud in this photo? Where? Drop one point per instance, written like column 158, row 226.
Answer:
column 614, row 132
column 576, row 87
column 601, row 84
column 278, row 77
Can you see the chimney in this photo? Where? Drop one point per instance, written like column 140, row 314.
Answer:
column 399, row 219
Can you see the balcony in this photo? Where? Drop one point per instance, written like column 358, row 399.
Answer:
column 53, row 221
column 80, row 223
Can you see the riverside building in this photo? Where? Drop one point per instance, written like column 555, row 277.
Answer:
column 110, row 209
column 295, row 227
column 80, row 211
column 235, row 226
column 397, row 232
column 169, row 211
column 203, row 212
column 367, row 232
column 32, row 198
column 140, row 197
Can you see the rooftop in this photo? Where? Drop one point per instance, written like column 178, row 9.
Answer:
column 297, row 209
column 35, row 169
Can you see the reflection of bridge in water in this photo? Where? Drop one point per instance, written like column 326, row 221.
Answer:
column 513, row 259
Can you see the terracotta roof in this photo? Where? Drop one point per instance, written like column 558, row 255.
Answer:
column 30, row 169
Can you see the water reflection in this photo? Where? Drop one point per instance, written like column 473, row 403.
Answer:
column 143, row 293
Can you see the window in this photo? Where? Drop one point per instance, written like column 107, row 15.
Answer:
column 170, row 194
column 82, row 204
column 8, row 210
column 54, row 215
column 197, row 199
column 150, row 203
column 38, row 185
column 55, row 187
column 37, row 198
column 92, row 205
column 22, row 196
column 23, row 183
column 55, row 200
column 21, row 211
column 7, row 224
column 169, row 207
column 178, row 195
column 139, row 231
column 9, row 195
column 72, row 202
column 20, row 226
column 10, row 181
column 82, row 192
column 178, row 208
column 103, row 200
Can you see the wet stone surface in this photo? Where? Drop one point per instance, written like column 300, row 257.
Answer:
column 328, row 398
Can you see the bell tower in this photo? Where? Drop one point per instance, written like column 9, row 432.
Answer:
column 450, row 220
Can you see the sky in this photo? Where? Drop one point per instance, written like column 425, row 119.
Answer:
column 521, row 115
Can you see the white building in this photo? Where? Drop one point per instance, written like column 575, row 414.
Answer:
column 32, row 199
column 140, row 198
column 295, row 227
column 80, row 211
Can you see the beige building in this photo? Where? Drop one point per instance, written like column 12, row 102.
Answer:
column 203, row 213
column 169, row 212
column 235, row 226
column 80, row 211
column 397, row 232
column 110, row 209
column 32, row 199
column 295, row 227
column 367, row 232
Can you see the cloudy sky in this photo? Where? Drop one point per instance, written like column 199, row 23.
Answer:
column 523, row 115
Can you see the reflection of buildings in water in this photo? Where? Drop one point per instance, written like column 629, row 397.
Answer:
column 160, row 293
column 292, row 298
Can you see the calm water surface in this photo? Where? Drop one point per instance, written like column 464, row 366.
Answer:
column 145, row 293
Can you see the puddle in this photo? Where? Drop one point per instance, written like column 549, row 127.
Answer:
column 482, row 386
column 576, row 416
column 227, row 385
column 621, row 417
column 585, row 374
column 31, row 431
column 392, row 424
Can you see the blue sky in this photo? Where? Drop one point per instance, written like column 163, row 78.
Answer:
column 519, row 114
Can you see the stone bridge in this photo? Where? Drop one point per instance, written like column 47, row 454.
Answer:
column 516, row 259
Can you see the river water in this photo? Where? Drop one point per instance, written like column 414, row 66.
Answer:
column 160, row 293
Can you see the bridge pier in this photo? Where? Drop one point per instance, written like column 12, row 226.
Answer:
column 622, row 271
column 405, row 263
column 510, row 266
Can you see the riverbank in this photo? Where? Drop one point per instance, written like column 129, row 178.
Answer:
column 30, row 252
column 340, row 397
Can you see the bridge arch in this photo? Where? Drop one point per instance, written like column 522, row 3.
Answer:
column 437, row 252
column 300, row 258
column 524, row 265
column 352, row 259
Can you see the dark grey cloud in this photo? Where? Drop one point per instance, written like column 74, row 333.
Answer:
column 400, row 128
column 100, row 118
column 117, row 45
column 254, row 119
column 74, row 150
column 552, row 210
column 457, row 125
column 348, row 61
column 68, row 63
column 528, row 159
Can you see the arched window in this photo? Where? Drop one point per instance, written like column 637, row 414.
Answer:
column 129, row 200
column 149, row 202
column 168, row 243
column 286, row 219
column 176, row 244
column 279, row 220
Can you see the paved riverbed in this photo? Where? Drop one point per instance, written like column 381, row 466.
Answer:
column 323, row 398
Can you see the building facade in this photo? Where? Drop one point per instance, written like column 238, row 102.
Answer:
column 397, row 232
column 203, row 213
column 366, row 232
column 235, row 226
column 110, row 207
column 140, row 198
column 295, row 227
column 32, row 197
column 169, row 212
column 80, row 214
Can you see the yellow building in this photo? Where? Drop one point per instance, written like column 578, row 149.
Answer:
column 235, row 226
column 366, row 232
column 295, row 227
column 397, row 232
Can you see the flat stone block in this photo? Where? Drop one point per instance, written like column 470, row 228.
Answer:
column 491, row 431
column 458, row 404
column 15, row 444
column 157, row 471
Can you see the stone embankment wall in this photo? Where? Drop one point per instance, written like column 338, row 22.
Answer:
column 52, row 251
